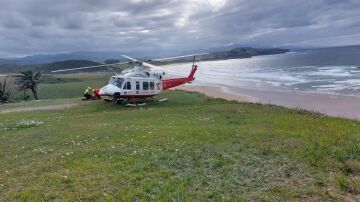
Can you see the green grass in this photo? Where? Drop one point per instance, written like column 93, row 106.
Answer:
column 190, row 148
column 67, row 85
column 73, row 89
column 39, row 103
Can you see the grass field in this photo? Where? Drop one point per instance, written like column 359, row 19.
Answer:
column 73, row 89
column 63, row 86
column 189, row 148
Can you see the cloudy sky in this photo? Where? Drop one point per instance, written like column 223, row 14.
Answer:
column 30, row 27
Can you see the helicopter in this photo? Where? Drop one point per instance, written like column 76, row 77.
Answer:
column 145, row 80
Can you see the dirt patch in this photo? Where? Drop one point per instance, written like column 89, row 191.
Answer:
column 40, row 108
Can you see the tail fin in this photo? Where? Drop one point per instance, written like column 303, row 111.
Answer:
column 192, row 73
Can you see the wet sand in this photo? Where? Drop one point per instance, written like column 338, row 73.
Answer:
column 332, row 105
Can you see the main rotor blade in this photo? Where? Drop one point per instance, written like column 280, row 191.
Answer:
column 89, row 67
column 181, row 56
column 145, row 64
column 130, row 58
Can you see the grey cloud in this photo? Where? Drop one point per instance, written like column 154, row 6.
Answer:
column 43, row 26
column 13, row 21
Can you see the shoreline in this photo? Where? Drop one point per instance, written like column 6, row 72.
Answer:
column 331, row 105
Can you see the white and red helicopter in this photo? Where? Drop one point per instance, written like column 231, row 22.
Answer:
column 143, row 81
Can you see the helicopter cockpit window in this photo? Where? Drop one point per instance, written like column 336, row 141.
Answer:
column 117, row 81
column 111, row 80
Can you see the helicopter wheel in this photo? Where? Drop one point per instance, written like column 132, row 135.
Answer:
column 117, row 99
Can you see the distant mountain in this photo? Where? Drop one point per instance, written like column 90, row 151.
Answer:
column 222, row 48
column 247, row 52
column 48, row 67
column 40, row 59
column 100, row 56
column 244, row 52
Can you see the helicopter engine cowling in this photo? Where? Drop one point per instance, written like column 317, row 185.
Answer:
column 157, row 74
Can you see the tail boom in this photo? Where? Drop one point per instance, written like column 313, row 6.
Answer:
column 170, row 83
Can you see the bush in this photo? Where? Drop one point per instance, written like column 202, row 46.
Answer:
column 5, row 91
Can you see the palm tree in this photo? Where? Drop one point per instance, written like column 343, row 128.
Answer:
column 29, row 80
column 5, row 92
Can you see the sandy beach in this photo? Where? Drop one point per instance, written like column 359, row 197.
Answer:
column 332, row 105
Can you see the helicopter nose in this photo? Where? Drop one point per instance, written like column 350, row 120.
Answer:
column 103, row 91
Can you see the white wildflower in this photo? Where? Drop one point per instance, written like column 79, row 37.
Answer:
column 21, row 124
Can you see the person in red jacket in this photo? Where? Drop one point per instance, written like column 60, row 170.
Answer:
column 96, row 93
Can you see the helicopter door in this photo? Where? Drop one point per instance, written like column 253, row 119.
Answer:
column 152, row 87
column 127, row 88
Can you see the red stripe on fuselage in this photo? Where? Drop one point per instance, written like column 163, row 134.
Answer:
column 135, row 96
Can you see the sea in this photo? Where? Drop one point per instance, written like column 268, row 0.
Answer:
column 323, row 71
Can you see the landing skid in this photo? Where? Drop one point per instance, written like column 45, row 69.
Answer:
column 134, row 102
column 114, row 100
column 163, row 100
column 135, row 105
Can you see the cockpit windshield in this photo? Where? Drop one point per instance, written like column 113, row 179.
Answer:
column 116, row 81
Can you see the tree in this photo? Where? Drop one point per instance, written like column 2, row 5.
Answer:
column 29, row 80
column 5, row 92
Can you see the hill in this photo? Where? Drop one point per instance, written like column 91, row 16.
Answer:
column 97, row 56
column 235, row 53
column 246, row 53
column 46, row 68
column 87, row 58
